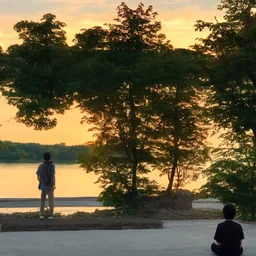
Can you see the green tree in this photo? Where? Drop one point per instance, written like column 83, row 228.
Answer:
column 230, row 54
column 14, row 151
column 2, row 66
column 119, row 109
column 178, row 99
column 38, row 72
column 232, row 176
column 91, row 39
column 180, row 148
column 232, row 66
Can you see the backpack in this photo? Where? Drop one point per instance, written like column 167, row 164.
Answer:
column 46, row 177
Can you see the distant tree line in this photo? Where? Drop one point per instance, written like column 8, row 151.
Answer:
column 150, row 105
column 33, row 152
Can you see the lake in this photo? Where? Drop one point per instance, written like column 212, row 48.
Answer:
column 19, row 181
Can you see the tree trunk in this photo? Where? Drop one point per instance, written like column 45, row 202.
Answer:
column 174, row 154
column 133, row 144
column 173, row 171
column 253, row 179
column 253, row 193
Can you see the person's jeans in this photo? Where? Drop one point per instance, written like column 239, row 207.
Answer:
column 217, row 249
column 50, row 194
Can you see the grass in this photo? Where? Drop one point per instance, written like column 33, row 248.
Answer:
column 193, row 214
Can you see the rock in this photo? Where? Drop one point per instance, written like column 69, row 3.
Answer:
column 181, row 200
column 161, row 213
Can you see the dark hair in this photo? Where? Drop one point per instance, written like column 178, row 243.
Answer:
column 47, row 156
column 229, row 211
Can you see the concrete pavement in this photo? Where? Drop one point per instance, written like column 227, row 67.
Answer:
column 178, row 238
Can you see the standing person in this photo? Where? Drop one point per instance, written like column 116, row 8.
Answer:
column 47, row 183
column 229, row 234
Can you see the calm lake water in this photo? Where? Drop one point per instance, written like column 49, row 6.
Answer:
column 19, row 181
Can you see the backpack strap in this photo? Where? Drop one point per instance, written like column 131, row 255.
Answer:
column 49, row 170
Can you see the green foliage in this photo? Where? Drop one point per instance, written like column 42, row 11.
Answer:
column 115, row 176
column 142, row 97
column 179, row 142
column 115, row 101
column 232, row 176
column 91, row 39
column 232, row 67
column 2, row 145
column 24, row 152
column 141, row 118
column 37, row 72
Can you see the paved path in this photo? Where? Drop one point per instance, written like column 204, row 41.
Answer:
column 178, row 238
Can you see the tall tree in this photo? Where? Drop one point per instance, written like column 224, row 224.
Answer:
column 2, row 67
column 231, row 69
column 39, row 72
column 91, row 39
column 179, row 142
column 231, row 177
column 119, row 108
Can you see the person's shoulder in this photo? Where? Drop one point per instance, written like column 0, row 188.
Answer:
column 229, row 223
column 221, row 224
column 237, row 224
column 53, row 167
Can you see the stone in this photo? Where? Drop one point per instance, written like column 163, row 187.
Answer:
column 161, row 213
column 181, row 200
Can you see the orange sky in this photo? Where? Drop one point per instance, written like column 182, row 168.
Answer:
column 177, row 17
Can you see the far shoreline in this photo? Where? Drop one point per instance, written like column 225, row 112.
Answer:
column 36, row 162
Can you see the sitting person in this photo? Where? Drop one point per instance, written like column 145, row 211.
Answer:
column 229, row 235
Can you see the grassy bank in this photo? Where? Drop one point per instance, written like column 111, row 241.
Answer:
column 193, row 214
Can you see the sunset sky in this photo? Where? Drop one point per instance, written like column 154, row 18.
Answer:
column 177, row 17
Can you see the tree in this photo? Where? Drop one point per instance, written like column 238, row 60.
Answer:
column 231, row 68
column 91, row 39
column 2, row 66
column 180, row 148
column 116, row 100
column 230, row 53
column 38, row 72
column 232, row 177
column 178, row 99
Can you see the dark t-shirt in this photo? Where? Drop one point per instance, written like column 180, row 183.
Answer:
column 229, row 234
column 40, row 170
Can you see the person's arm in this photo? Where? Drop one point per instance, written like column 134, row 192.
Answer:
column 241, row 236
column 54, row 181
column 217, row 236
column 54, row 177
column 38, row 173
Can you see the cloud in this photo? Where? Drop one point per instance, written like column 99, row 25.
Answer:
column 26, row 6
column 177, row 16
column 178, row 25
column 95, row 6
column 201, row 4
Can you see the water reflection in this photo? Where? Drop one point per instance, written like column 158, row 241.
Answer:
column 19, row 181
column 63, row 210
